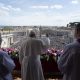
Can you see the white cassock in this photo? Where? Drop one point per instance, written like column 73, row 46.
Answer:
column 29, row 57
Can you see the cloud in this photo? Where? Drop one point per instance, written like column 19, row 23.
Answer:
column 7, row 9
column 3, row 13
column 53, row 18
column 13, row 9
column 40, row 19
column 56, row 6
column 75, row 17
column 41, row 7
column 48, row 7
column 75, row 2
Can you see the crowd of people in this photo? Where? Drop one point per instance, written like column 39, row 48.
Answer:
column 29, row 58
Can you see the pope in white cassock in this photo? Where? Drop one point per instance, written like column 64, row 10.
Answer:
column 29, row 57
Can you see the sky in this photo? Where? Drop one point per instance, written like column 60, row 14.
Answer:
column 39, row 12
